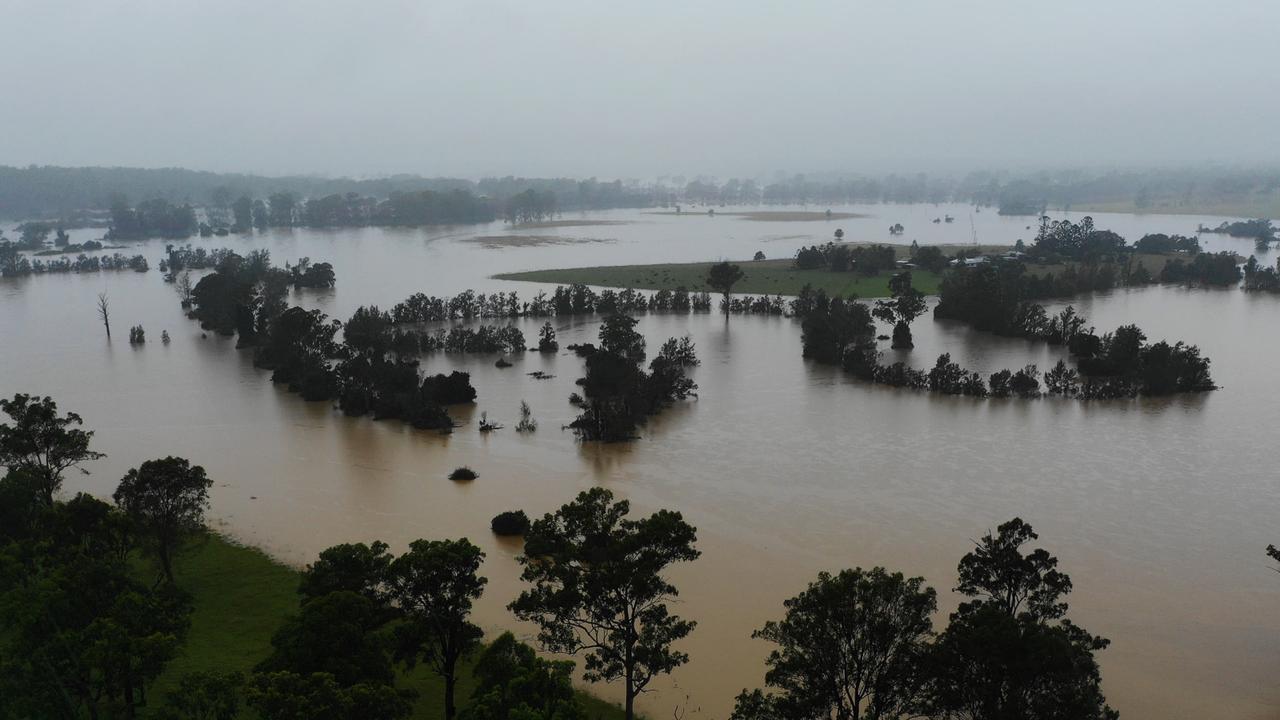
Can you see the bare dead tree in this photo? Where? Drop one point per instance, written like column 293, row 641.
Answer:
column 104, row 311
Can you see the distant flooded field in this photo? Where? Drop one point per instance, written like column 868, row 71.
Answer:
column 1158, row 509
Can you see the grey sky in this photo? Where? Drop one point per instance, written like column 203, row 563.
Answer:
column 637, row 89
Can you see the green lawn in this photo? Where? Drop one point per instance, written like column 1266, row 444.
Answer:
column 763, row 277
column 241, row 596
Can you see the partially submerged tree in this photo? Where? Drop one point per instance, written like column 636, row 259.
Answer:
column 104, row 312
column 597, row 586
column 41, row 443
column 166, row 500
column 722, row 277
column 904, row 305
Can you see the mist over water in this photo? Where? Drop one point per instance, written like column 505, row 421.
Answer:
column 616, row 90
column 1158, row 509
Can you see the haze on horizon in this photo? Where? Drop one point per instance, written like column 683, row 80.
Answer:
column 638, row 90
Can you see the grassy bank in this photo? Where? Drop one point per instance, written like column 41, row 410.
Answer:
column 1261, row 207
column 242, row 596
column 763, row 277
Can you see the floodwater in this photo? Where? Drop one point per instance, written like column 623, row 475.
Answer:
column 1159, row 510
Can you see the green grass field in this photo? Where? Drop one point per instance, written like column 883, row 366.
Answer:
column 241, row 596
column 1262, row 206
column 763, row 277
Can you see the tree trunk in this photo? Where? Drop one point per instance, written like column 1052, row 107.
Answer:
column 166, row 562
column 449, row 682
column 631, row 693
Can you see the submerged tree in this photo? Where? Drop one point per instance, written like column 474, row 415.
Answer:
column 905, row 305
column 104, row 312
column 598, row 587
column 722, row 277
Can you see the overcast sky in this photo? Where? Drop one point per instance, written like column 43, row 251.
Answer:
column 637, row 89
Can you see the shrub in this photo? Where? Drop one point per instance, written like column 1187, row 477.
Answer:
column 510, row 523
column 463, row 473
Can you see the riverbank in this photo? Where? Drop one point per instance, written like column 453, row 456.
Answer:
column 761, row 277
column 1268, row 207
column 241, row 596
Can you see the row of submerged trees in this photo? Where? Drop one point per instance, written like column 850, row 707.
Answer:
column 564, row 300
column 86, row 636
column 839, row 331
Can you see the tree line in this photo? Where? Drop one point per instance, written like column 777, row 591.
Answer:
column 840, row 331
column 87, row 636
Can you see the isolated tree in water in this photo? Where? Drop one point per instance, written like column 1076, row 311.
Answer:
column 722, row 277
column 598, row 588
column 42, row 444
column 166, row 500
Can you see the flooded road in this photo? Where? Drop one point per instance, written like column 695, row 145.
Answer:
column 1159, row 510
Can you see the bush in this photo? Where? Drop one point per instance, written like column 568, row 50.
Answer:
column 463, row 473
column 510, row 523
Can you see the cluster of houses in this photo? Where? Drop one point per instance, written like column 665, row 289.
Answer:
column 969, row 261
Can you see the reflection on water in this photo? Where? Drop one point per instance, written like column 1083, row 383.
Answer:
column 1159, row 509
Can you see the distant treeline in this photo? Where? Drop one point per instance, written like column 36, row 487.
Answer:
column 67, row 193
column 60, row 192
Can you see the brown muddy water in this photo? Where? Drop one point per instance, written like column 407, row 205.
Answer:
column 1159, row 510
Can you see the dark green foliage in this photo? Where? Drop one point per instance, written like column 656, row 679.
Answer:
column 1204, row 269
column 1257, row 277
column 368, row 331
column 1009, row 652
column 618, row 336
column 291, row 696
column 619, row 394
column 298, row 345
column 42, row 444
column 336, row 633
column 513, row 683
column 308, row 275
column 204, row 696
column 830, row 325
column 852, row 645
column 353, row 568
column 1257, row 229
column 722, row 277
column 999, row 574
column 452, row 389
column 1161, row 244
column 82, row 637
column 511, row 522
column 547, row 339
column 901, row 309
column 597, row 586
column 463, row 473
column 152, row 218
column 165, row 500
column 434, row 585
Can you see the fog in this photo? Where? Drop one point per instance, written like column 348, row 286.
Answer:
column 637, row 89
